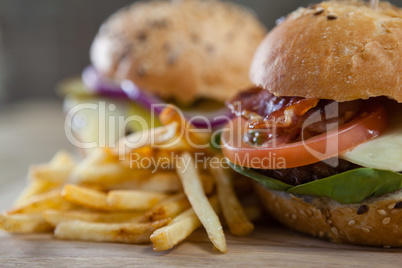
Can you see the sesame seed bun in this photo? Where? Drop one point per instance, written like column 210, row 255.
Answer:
column 341, row 50
column 374, row 222
column 180, row 49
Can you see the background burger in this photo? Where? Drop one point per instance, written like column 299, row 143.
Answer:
column 322, row 132
column 191, row 53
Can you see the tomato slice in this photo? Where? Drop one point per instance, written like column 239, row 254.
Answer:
column 370, row 123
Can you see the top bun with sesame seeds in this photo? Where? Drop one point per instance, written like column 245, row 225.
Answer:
column 180, row 50
column 338, row 50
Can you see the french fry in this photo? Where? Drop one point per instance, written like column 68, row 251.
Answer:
column 46, row 177
column 102, row 174
column 134, row 200
column 56, row 171
column 154, row 137
column 24, row 223
column 111, row 174
column 177, row 145
column 54, row 217
column 162, row 181
column 232, row 210
column 162, row 158
column 172, row 114
column 99, row 166
column 40, row 202
column 168, row 208
column 34, row 188
column 194, row 191
column 85, row 197
column 253, row 213
column 178, row 229
column 43, row 173
column 107, row 232
column 182, row 226
column 103, row 169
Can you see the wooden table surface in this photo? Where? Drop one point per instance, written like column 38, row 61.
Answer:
column 32, row 132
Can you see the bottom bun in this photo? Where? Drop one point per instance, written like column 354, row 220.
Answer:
column 374, row 222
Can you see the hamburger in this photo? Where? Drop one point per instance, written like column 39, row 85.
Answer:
column 321, row 131
column 191, row 53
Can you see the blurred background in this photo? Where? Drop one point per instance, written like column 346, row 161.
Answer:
column 44, row 41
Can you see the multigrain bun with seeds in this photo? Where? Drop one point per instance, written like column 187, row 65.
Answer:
column 180, row 49
column 374, row 222
column 338, row 50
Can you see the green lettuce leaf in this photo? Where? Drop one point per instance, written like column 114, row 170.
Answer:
column 215, row 142
column 349, row 187
column 353, row 186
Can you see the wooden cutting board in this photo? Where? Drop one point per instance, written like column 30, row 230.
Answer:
column 269, row 245
column 33, row 132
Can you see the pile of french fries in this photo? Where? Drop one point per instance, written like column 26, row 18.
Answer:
column 102, row 198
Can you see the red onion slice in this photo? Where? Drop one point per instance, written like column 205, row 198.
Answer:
column 106, row 87
column 98, row 84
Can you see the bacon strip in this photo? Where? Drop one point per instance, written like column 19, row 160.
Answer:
column 280, row 120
